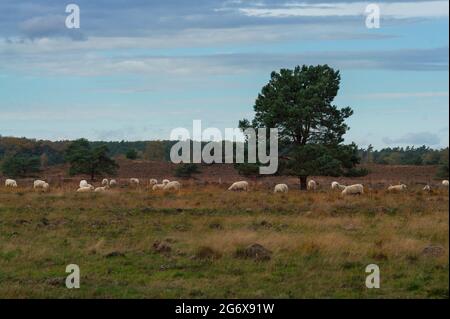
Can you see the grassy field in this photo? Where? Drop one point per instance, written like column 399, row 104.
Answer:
column 320, row 244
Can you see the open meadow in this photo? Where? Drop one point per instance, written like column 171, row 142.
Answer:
column 135, row 243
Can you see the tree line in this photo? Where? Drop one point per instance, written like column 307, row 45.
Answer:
column 409, row 155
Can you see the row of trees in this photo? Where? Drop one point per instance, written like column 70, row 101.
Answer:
column 405, row 156
column 51, row 153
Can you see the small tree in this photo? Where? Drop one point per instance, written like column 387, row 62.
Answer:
column 247, row 169
column 20, row 165
column 155, row 151
column 84, row 159
column 186, row 170
column 131, row 154
column 442, row 171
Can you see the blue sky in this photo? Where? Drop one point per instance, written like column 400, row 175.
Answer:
column 135, row 70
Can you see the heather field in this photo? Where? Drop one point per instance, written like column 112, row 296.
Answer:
column 136, row 243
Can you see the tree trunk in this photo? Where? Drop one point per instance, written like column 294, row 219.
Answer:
column 303, row 183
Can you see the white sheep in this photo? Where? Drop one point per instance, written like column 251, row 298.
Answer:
column 153, row 181
column 239, row 186
column 38, row 184
column 105, row 182
column 397, row 188
column 336, row 185
column 134, row 181
column 84, row 190
column 312, row 185
column 281, row 188
column 10, row 183
column 427, row 188
column 356, row 189
column 112, row 183
column 165, row 181
column 174, row 185
column 445, row 182
column 158, row 187
column 41, row 185
column 83, row 183
column 101, row 189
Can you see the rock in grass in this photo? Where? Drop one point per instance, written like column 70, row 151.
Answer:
column 433, row 251
column 115, row 254
column 57, row 281
column 255, row 251
column 161, row 247
column 206, row 253
column 216, row 226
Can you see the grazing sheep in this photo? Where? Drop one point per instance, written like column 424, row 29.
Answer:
column 336, row 185
column 312, row 185
column 356, row 189
column 101, row 189
column 46, row 187
column 153, row 181
column 445, row 182
column 427, row 188
column 239, row 186
column 158, row 187
column 89, row 186
column 397, row 188
column 174, row 185
column 84, row 190
column 38, row 184
column 105, row 182
column 112, row 183
column 10, row 183
column 41, row 185
column 134, row 181
column 165, row 181
column 281, row 188
column 83, row 183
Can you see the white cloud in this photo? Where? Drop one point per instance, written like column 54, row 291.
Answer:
column 420, row 138
column 398, row 10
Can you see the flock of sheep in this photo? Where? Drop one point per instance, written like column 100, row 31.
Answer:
column 356, row 189
column 106, row 184
column 85, row 187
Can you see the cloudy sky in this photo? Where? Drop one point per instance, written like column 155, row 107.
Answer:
column 137, row 69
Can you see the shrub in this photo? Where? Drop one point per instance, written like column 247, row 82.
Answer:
column 247, row 169
column 21, row 165
column 356, row 172
column 442, row 171
column 131, row 154
column 186, row 170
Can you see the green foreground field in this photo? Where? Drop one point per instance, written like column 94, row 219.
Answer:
column 320, row 244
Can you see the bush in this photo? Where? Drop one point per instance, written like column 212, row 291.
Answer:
column 186, row 170
column 247, row 169
column 442, row 171
column 356, row 172
column 21, row 165
column 131, row 154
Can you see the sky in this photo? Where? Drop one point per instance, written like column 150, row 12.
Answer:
column 136, row 70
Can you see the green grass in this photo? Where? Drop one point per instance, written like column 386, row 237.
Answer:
column 320, row 243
